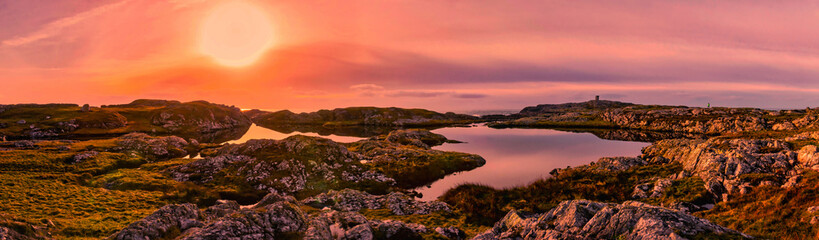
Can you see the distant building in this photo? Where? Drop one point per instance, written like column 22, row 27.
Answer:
column 596, row 99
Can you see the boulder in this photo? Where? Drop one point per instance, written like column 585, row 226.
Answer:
column 153, row 148
column 353, row 200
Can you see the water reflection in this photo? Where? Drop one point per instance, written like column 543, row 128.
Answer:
column 258, row 132
column 517, row 157
column 351, row 131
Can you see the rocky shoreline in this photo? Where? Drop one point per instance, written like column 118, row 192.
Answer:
column 707, row 175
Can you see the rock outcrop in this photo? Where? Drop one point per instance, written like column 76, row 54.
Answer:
column 153, row 148
column 407, row 156
column 582, row 219
column 294, row 164
column 680, row 119
column 198, row 117
column 733, row 166
column 352, row 200
column 275, row 217
column 300, row 163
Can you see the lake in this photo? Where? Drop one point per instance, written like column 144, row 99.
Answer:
column 514, row 157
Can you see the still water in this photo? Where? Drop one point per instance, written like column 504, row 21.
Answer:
column 257, row 132
column 514, row 157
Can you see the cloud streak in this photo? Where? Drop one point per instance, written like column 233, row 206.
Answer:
column 55, row 27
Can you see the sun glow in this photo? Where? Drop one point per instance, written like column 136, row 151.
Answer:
column 236, row 34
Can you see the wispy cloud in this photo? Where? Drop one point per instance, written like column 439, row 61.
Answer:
column 373, row 90
column 53, row 28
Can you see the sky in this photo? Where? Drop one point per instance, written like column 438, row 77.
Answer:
column 448, row 55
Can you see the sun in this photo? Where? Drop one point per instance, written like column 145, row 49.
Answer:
column 235, row 34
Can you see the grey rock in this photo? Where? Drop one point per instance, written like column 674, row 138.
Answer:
column 354, row 200
column 582, row 219
column 82, row 156
column 167, row 220
column 154, row 148
column 451, row 233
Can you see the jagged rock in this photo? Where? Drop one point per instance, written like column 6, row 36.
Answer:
column 275, row 217
column 222, row 221
column 783, row 126
column 21, row 121
column 154, row 148
column 720, row 163
column 808, row 157
column 659, row 187
column 617, row 163
column 353, row 200
column 582, row 219
column 694, row 120
column 168, row 220
column 331, row 224
column 268, row 222
column 222, row 209
column 451, row 233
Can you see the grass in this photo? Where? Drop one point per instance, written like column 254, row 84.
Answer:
column 486, row 205
column 771, row 212
column 92, row 198
column 77, row 211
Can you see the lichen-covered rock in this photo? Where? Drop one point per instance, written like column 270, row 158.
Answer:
column 268, row 222
column 331, row 224
column 353, row 200
column 294, row 164
column 165, row 223
column 82, row 156
column 452, row 233
column 692, row 120
column 618, row 163
column 153, row 148
column 721, row 163
column 275, row 217
column 582, row 219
